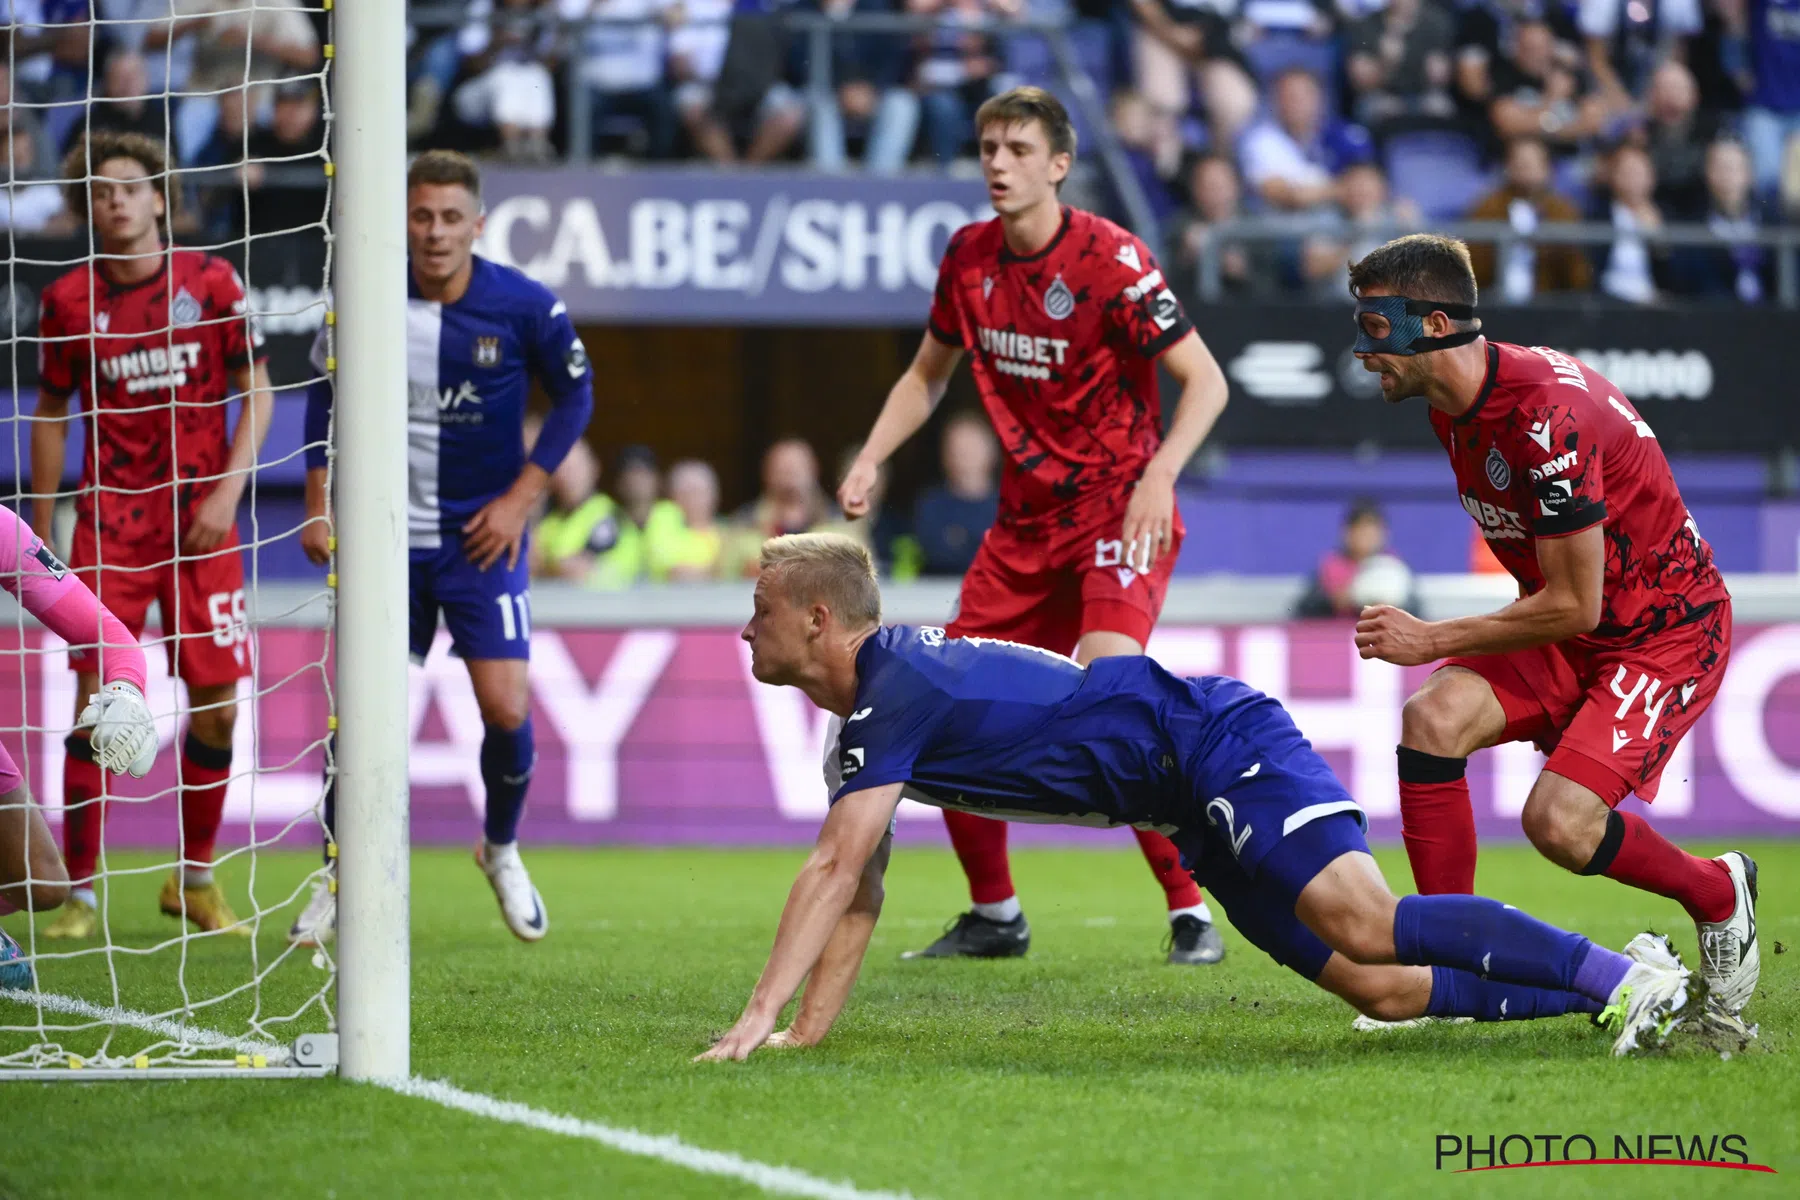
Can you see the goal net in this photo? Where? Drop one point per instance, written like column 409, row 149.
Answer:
column 155, row 349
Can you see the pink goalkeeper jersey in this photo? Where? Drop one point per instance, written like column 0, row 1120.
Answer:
column 51, row 593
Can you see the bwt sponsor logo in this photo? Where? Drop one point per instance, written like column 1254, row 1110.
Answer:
column 1463, row 1153
column 726, row 245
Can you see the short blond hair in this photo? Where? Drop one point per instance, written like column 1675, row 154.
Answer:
column 829, row 568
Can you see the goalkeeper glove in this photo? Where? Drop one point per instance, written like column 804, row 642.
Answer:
column 124, row 737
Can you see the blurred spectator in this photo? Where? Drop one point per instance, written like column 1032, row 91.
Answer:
column 1627, row 39
column 508, row 88
column 693, row 555
column 951, row 518
column 1630, row 268
column 1525, row 201
column 1292, row 158
column 1363, row 216
column 880, row 529
column 1216, row 198
column 1741, row 270
column 1484, row 34
column 1360, row 571
column 125, row 103
column 31, row 201
column 791, row 502
column 1185, row 53
column 1677, row 133
column 1537, row 94
column 47, row 45
column 622, row 66
column 869, row 94
column 220, row 193
column 285, row 171
column 232, row 46
column 1135, row 124
column 651, row 528
column 1762, row 50
column 579, row 517
column 744, row 101
column 956, row 70
column 1399, row 61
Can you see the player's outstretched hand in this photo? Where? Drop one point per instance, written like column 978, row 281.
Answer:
column 859, row 482
column 212, row 519
column 124, row 732
column 1395, row 635
column 1149, row 529
column 315, row 539
column 498, row 529
column 749, row 1033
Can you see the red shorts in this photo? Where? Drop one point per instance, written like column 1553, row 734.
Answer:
column 211, row 642
column 1610, row 719
column 1048, row 592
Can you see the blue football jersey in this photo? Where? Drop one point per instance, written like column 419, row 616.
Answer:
column 1015, row 732
column 469, row 367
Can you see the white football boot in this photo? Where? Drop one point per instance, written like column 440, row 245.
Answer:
column 317, row 922
column 1730, row 961
column 1642, row 1010
column 1376, row 1025
column 520, row 904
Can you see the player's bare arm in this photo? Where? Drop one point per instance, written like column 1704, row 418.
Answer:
column 499, row 526
column 1567, row 606
column 315, row 535
column 49, row 440
column 1150, row 517
column 820, row 897
column 215, row 515
column 910, row 403
column 829, row 984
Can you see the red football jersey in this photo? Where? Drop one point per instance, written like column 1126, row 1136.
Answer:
column 1063, row 344
column 1551, row 448
column 152, row 361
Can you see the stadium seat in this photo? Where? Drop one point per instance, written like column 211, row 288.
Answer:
column 1440, row 171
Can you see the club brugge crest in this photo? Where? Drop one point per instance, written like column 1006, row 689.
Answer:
column 1498, row 473
column 184, row 309
column 487, row 351
column 1059, row 301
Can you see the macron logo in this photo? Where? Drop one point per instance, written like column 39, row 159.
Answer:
column 858, row 715
column 1129, row 256
column 1540, row 433
column 1620, row 737
column 1126, row 577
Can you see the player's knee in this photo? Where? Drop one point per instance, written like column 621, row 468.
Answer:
column 214, row 725
column 47, row 894
column 1388, row 1004
column 505, row 712
column 1363, row 938
column 1563, row 833
column 1433, row 722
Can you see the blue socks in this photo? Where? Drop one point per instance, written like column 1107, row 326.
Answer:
column 1457, row 993
column 507, row 757
column 1496, row 941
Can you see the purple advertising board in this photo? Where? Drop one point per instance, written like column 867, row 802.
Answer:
column 651, row 736
column 688, row 247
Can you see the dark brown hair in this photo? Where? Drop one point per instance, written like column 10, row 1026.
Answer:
column 1424, row 266
column 1023, row 104
column 103, row 145
column 445, row 166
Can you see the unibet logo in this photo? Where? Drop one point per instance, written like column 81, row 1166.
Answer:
column 1496, row 523
column 1282, row 373
column 157, row 367
column 1021, row 354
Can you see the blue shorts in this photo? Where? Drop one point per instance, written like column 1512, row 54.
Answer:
column 488, row 612
column 1278, row 819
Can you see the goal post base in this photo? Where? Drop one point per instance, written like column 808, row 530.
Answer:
column 312, row 1056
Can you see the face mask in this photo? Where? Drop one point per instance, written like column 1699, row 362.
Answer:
column 1406, row 325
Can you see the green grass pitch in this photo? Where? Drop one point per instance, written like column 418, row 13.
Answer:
column 1088, row 1069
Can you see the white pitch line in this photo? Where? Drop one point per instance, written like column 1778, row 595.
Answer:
column 174, row 1031
column 781, row 1181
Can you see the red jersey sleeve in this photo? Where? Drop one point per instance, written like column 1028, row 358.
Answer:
column 1561, row 455
column 1140, row 309
column 944, row 324
column 240, row 334
column 59, row 356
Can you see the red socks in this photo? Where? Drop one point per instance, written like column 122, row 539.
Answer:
column 204, row 774
column 1165, row 864
column 980, row 844
column 1633, row 853
column 1437, row 822
column 84, row 813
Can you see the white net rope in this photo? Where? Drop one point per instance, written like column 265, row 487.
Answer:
column 148, row 990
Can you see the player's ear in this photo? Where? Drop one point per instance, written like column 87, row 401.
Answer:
column 1060, row 165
